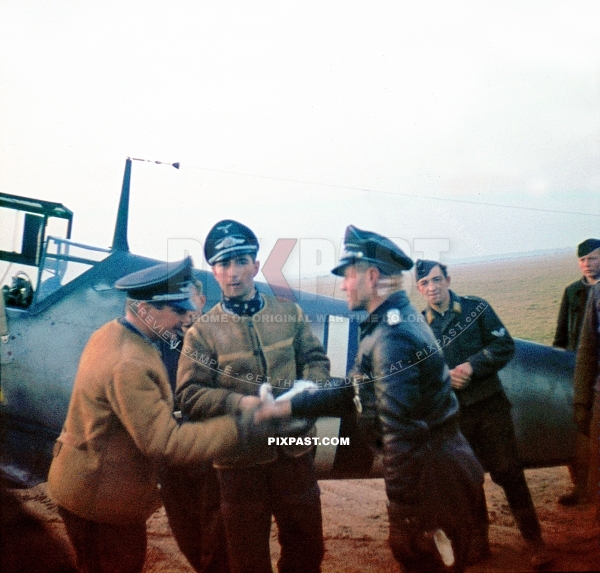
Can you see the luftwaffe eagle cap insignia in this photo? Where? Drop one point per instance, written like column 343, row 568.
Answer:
column 228, row 239
column 373, row 249
column 166, row 282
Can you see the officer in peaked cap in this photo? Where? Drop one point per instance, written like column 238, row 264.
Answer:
column 405, row 405
column 164, row 283
column 254, row 338
column 373, row 249
column 120, row 427
column 228, row 239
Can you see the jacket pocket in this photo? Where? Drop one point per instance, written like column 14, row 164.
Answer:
column 73, row 476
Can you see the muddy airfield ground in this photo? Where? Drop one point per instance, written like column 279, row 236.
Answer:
column 355, row 524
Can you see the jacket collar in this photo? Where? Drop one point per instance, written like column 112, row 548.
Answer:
column 455, row 307
column 396, row 300
column 124, row 322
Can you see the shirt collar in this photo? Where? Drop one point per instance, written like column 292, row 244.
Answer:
column 122, row 320
column 454, row 307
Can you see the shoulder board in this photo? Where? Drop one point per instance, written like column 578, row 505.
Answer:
column 472, row 297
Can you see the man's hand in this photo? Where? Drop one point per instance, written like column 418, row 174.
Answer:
column 461, row 375
column 248, row 402
column 254, row 428
column 276, row 409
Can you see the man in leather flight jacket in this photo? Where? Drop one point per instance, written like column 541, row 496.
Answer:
column 401, row 383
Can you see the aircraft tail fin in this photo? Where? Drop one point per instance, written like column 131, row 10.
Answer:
column 120, row 242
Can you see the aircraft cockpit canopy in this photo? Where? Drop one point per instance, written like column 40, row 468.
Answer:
column 30, row 220
column 35, row 238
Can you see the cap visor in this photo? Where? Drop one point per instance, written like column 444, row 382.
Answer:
column 339, row 270
column 185, row 304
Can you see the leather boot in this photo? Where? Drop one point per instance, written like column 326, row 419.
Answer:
column 529, row 526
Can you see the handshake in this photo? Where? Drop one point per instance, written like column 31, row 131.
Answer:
column 264, row 416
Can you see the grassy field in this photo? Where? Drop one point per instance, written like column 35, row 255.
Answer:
column 525, row 292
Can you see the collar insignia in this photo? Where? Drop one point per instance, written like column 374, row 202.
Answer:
column 393, row 317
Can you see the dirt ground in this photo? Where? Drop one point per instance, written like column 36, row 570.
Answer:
column 355, row 523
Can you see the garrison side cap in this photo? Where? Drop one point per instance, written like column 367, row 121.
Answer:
column 424, row 266
column 589, row 245
column 166, row 282
column 228, row 239
column 373, row 249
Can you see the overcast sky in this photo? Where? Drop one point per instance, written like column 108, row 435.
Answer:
column 298, row 118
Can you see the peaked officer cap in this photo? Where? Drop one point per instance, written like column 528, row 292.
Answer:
column 423, row 268
column 166, row 282
column 372, row 249
column 587, row 247
column 228, row 239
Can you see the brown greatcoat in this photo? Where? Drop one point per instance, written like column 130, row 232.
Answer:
column 120, row 429
column 586, row 400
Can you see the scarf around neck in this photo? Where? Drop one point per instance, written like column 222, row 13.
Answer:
column 243, row 307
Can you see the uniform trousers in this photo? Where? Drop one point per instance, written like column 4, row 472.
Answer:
column 105, row 547
column 439, row 486
column 490, row 431
column 286, row 489
column 192, row 504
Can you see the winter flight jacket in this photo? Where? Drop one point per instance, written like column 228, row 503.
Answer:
column 226, row 357
column 403, row 383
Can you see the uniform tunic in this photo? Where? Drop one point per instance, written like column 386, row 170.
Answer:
column 470, row 331
column 570, row 315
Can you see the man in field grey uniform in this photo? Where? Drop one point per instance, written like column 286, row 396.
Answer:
column 476, row 346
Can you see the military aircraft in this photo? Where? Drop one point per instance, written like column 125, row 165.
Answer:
column 45, row 323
